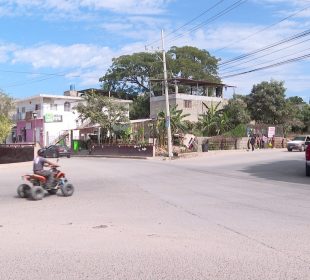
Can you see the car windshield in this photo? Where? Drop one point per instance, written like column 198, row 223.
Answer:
column 299, row 138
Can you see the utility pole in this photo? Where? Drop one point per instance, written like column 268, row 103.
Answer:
column 167, row 99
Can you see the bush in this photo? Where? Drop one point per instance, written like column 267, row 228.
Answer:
column 238, row 131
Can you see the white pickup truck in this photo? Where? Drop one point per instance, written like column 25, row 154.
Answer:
column 298, row 143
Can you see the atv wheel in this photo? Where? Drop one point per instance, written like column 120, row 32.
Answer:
column 23, row 190
column 67, row 189
column 37, row 193
column 52, row 191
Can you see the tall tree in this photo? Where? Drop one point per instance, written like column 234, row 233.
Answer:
column 6, row 107
column 5, row 127
column 102, row 110
column 266, row 102
column 237, row 111
column 6, row 104
column 131, row 74
column 296, row 100
column 140, row 107
column 191, row 62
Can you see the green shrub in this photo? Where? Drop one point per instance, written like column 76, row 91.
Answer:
column 238, row 131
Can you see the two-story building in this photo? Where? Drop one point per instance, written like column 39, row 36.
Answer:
column 191, row 96
column 44, row 118
column 47, row 118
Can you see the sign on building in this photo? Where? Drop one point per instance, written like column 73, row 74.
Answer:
column 50, row 117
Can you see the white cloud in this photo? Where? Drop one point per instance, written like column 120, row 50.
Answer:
column 5, row 51
column 73, row 6
column 89, row 62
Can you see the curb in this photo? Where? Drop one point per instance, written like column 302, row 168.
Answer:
column 109, row 156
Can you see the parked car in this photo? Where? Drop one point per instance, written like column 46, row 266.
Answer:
column 56, row 151
column 298, row 143
column 308, row 159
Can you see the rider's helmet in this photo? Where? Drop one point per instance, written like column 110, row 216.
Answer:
column 40, row 153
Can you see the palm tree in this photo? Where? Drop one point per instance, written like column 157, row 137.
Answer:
column 214, row 121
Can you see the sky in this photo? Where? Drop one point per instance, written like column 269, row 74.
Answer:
column 46, row 46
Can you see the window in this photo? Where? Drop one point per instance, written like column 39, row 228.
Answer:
column 23, row 110
column 187, row 104
column 53, row 107
column 37, row 107
column 67, row 106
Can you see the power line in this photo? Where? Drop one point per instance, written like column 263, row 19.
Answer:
column 263, row 29
column 269, row 66
column 215, row 17
column 234, row 5
column 292, row 38
column 244, row 62
column 187, row 23
column 240, row 69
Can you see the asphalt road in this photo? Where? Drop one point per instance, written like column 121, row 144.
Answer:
column 224, row 215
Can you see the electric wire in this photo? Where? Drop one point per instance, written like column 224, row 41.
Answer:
column 292, row 38
column 212, row 19
column 243, row 69
column 263, row 29
column 187, row 23
column 268, row 66
column 262, row 56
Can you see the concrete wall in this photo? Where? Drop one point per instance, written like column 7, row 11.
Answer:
column 157, row 104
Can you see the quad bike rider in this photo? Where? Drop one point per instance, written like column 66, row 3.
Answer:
column 38, row 167
column 44, row 180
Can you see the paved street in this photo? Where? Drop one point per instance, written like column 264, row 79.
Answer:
column 224, row 215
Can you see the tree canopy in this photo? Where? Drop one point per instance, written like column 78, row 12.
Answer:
column 131, row 73
column 190, row 62
column 267, row 103
column 102, row 110
column 6, row 104
column 237, row 111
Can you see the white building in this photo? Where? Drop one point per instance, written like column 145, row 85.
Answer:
column 45, row 118
column 48, row 118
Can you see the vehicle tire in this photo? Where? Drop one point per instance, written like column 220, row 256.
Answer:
column 68, row 156
column 67, row 189
column 37, row 193
column 23, row 190
column 307, row 170
column 289, row 149
column 52, row 192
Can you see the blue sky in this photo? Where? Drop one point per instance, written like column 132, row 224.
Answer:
column 45, row 46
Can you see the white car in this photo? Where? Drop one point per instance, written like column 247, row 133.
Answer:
column 298, row 143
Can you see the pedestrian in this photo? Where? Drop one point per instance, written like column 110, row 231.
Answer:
column 273, row 141
column 252, row 141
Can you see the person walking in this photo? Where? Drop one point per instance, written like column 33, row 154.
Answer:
column 252, row 142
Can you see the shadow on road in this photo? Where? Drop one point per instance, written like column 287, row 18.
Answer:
column 291, row 171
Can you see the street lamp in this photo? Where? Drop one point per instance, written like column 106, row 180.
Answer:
column 34, row 115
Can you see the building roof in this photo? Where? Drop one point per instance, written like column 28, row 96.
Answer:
column 49, row 96
column 191, row 82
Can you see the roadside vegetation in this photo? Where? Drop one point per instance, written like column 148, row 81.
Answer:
column 6, row 106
